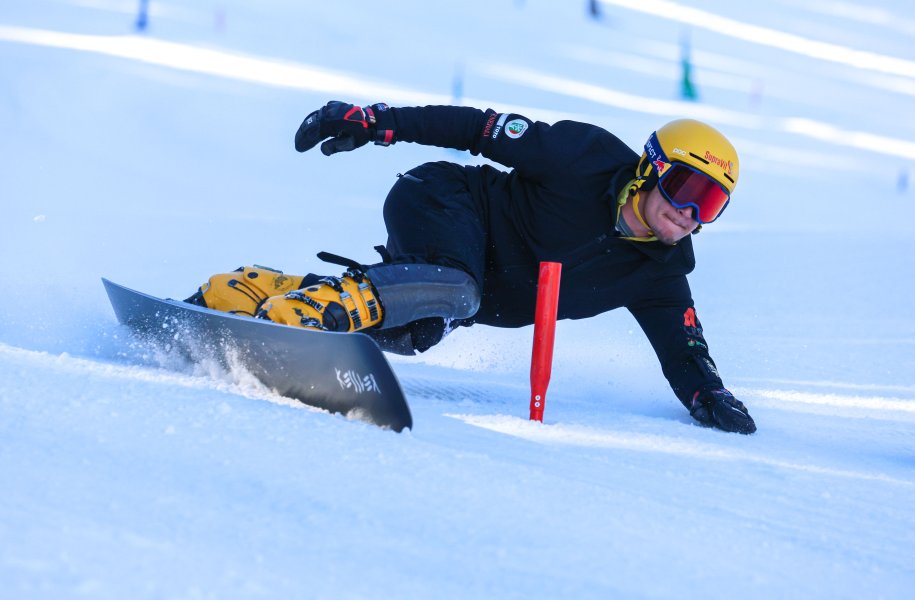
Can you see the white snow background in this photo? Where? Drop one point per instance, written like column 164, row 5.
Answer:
column 158, row 159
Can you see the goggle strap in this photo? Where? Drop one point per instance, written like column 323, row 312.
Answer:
column 643, row 169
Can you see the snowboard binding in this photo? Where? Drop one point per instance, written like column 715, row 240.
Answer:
column 343, row 304
column 347, row 303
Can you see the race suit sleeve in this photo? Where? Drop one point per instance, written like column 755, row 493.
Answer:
column 539, row 151
column 670, row 323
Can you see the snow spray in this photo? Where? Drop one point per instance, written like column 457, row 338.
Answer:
column 544, row 333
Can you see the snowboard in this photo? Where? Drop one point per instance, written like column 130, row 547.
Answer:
column 344, row 373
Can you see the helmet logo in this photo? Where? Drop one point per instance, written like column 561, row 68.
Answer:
column 724, row 164
column 660, row 165
column 680, row 152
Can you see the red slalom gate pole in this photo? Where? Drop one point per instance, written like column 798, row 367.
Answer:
column 544, row 333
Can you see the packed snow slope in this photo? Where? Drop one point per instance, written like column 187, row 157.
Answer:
column 159, row 158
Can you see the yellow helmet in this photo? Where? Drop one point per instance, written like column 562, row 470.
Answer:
column 694, row 164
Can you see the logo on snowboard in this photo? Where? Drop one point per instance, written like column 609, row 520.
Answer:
column 351, row 380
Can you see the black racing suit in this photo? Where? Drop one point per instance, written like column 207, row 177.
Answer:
column 559, row 203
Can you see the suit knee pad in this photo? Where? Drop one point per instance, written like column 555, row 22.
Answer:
column 412, row 291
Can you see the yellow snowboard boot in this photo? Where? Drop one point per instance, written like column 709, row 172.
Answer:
column 244, row 290
column 347, row 303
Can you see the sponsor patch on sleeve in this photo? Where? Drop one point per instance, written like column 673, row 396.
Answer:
column 515, row 128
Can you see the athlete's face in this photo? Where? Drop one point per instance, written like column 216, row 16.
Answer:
column 669, row 224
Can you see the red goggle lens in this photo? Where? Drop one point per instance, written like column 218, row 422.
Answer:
column 685, row 187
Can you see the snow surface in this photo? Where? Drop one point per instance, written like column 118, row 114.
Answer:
column 159, row 159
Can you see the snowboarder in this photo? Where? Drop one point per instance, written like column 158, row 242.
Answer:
column 465, row 242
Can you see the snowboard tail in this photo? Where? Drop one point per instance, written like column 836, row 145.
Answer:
column 343, row 373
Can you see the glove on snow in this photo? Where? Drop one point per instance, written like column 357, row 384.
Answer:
column 717, row 407
column 348, row 127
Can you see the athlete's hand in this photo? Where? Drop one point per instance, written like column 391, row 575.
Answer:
column 348, row 127
column 717, row 407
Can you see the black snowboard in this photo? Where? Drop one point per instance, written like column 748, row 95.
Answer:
column 340, row 372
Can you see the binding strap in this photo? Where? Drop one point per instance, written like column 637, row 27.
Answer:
column 336, row 259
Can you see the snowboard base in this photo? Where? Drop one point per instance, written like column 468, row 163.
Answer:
column 344, row 373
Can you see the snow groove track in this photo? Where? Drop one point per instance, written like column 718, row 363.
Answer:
column 578, row 435
column 467, row 390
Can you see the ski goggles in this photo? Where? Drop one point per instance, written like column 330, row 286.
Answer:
column 687, row 187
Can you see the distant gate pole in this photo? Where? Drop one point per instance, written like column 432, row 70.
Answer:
column 142, row 16
column 544, row 333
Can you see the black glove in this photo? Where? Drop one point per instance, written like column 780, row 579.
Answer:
column 348, row 126
column 717, row 407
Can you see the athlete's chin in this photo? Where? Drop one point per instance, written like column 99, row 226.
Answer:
column 670, row 232
column 668, row 235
